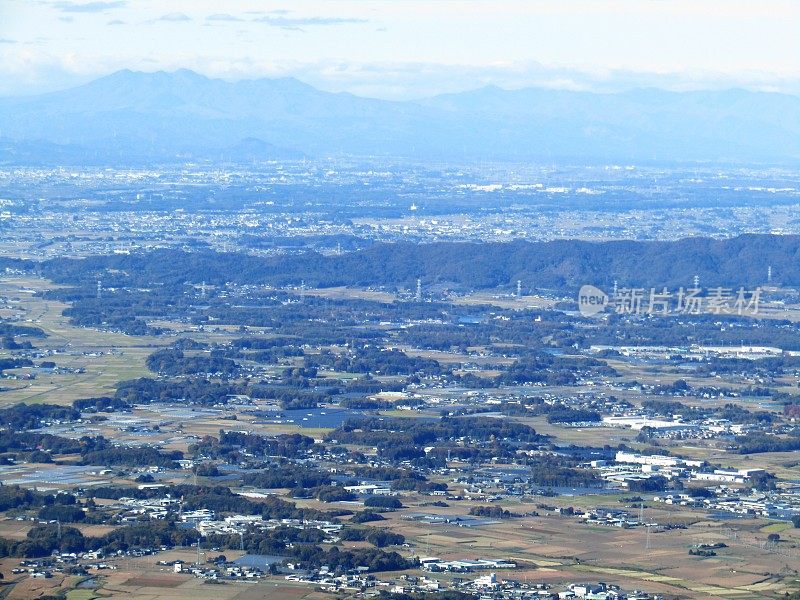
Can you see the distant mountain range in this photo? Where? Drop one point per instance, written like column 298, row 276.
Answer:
column 133, row 117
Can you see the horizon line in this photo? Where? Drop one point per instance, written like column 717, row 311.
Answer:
column 488, row 86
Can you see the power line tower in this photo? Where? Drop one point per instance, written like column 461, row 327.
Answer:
column 99, row 289
column 303, row 291
column 696, row 281
column 418, row 296
column 647, row 545
column 769, row 274
column 519, row 288
column 203, row 290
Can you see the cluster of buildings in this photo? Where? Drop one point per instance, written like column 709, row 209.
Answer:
column 613, row 518
column 154, row 508
column 240, row 524
column 629, row 467
column 782, row 503
column 462, row 565
column 491, row 587
column 148, row 219
column 459, row 521
column 485, row 587
column 676, row 427
column 696, row 351
column 238, row 569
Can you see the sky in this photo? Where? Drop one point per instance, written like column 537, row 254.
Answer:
column 401, row 49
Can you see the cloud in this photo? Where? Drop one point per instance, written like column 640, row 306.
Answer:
column 8, row 41
column 88, row 7
column 223, row 17
column 295, row 23
column 116, row 22
column 175, row 17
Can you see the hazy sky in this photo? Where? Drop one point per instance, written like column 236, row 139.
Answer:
column 409, row 48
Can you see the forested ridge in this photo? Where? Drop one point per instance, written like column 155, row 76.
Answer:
column 565, row 264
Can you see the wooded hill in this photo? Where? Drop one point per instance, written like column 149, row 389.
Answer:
column 561, row 265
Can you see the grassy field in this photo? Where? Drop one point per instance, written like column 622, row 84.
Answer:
column 97, row 360
column 346, row 293
column 505, row 301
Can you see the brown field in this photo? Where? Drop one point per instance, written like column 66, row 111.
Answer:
column 279, row 591
column 167, row 580
column 13, row 529
column 564, row 550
